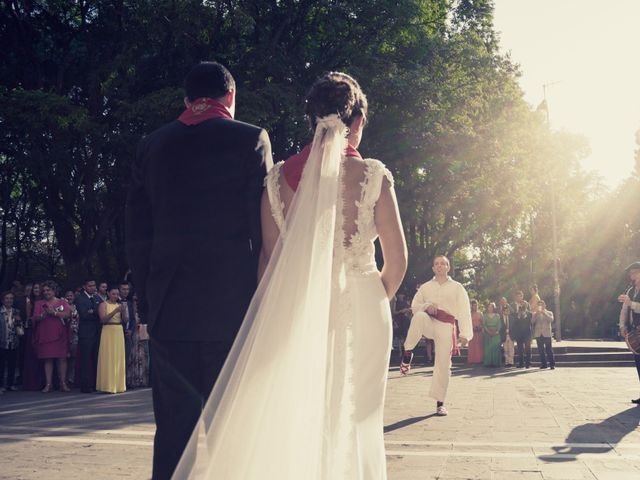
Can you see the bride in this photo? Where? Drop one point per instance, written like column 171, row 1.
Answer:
column 302, row 392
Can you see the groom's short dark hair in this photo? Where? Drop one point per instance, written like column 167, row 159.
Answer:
column 208, row 79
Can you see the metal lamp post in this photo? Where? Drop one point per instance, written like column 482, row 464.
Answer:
column 554, row 235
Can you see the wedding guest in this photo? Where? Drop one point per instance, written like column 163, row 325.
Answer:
column 139, row 352
column 102, row 291
column 475, row 353
column 10, row 331
column 535, row 298
column 521, row 329
column 502, row 303
column 401, row 313
column 20, row 302
column 34, row 293
column 429, row 345
column 72, row 333
column 129, row 325
column 111, row 375
column 87, row 303
column 33, row 372
column 507, row 342
column 542, row 320
column 491, row 331
column 629, row 319
column 51, row 342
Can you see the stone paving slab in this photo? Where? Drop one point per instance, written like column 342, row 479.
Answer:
column 517, row 423
column 512, row 424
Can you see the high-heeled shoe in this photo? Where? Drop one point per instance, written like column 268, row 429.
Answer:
column 47, row 388
column 64, row 387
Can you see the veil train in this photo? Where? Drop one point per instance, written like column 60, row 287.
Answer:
column 265, row 417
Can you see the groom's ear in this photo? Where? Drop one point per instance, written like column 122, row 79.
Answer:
column 230, row 97
column 230, row 101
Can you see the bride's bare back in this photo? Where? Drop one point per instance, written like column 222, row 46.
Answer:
column 369, row 211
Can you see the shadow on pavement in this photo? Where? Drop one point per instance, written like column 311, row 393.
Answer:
column 406, row 423
column 495, row 372
column 609, row 431
column 68, row 414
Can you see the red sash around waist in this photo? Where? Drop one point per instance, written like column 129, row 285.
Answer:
column 445, row 317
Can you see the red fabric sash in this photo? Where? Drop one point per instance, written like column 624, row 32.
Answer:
column 293, row 166
column 202, row 109
column 445, row 317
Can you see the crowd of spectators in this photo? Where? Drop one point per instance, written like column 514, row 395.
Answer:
column 89, row 337
column 502, row 331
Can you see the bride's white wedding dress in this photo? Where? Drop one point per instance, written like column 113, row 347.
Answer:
column 302, row 393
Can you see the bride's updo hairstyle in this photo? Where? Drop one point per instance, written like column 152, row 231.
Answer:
column 335, row 93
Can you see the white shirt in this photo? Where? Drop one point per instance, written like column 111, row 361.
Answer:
column 449, row 296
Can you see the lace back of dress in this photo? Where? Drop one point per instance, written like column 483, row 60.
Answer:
column 357, row 196
column 353, row 180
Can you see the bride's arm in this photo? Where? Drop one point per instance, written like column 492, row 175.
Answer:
column 394, row 246
column 270, row 233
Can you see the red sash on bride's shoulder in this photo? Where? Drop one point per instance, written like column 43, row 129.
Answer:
column 293, row 166
column 202, row 109
column 445, row 317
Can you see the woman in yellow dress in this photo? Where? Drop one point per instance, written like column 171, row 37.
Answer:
column 111, row 357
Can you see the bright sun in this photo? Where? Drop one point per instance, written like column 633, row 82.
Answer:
column 590, row 48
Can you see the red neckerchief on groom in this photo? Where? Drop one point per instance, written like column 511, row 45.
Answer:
column 202, row 109
column 293, row 166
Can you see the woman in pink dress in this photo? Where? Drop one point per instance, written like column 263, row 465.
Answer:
column 476, row 345
column 51, row 340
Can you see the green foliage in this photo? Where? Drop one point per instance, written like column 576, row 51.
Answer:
column 474, row 166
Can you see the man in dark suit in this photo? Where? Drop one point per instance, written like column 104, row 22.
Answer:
column 193, row 242
column 89, row 329
column 520, row 330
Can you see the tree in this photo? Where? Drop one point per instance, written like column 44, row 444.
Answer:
column 83, row 81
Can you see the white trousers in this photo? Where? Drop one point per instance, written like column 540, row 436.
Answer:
column 422, row 325
column 509, row 350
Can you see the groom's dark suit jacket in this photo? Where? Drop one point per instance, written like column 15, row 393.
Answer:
column 193, row 226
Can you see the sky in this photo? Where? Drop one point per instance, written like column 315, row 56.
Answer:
column 592, row 49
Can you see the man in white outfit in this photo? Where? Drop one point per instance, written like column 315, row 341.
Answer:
column 436, row 307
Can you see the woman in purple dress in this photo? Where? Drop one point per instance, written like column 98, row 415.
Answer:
column 51, row 341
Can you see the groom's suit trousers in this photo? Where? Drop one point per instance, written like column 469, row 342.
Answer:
column 422, row 325
column 182, row 377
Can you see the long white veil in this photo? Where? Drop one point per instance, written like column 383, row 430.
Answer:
column 265, row 417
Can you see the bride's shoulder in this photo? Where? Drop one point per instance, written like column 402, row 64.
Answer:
column 378, row 169
column 276, row 167
column 274, row 173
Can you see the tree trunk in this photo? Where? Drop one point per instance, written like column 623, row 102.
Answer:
column 3, row 252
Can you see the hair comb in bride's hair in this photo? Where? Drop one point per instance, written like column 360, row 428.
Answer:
column 332, row 121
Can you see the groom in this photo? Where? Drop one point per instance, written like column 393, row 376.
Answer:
column 193, row 241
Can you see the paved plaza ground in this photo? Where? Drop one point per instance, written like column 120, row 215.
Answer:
column 569, row 423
